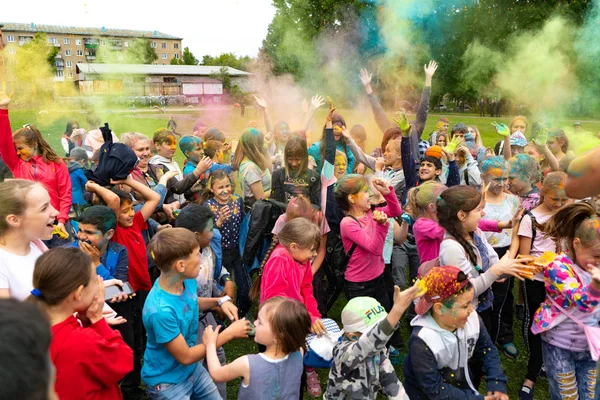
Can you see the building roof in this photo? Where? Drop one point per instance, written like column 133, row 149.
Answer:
column 76, row 30
column 151, row 69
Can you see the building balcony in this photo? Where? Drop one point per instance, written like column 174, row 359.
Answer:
column 90, row 57
column 91, row 45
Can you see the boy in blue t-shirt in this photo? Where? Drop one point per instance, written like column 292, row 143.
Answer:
column 171, row 369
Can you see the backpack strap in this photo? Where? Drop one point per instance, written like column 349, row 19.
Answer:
column 533, row 225
column 349, row 254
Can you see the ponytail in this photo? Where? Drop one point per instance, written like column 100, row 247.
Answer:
column 255, row 289
column 450, row 202
column 575, row 221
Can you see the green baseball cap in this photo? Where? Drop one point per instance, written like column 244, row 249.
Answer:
column 361, row 314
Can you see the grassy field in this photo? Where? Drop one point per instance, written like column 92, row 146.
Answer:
column 230, row 121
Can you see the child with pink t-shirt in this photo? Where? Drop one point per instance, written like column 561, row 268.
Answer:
column 364, row 231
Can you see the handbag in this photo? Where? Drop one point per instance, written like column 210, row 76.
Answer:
column 591, row 333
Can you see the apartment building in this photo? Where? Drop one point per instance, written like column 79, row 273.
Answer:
column 82, row 44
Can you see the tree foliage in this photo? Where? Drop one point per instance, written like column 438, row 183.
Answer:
column 188, row 58
column 228, row 60
column 299, row 39
column 141, row 51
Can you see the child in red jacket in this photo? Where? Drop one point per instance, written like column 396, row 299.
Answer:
column 286, row 272
column 30, row 157
column 90, row 358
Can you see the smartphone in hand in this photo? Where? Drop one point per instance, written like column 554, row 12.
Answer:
column 112, row 291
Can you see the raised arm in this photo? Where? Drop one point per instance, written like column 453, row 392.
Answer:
column 152, row 199
column 315, row 102
column 359, row 154
column 7, row 146
column 583, row 172
column 423, row 109
column 380, row 118
column 262, row 104
column 108, row 196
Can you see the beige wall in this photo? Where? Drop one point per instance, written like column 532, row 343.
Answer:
column 69, row 72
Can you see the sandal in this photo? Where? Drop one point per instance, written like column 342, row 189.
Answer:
column 313, row 385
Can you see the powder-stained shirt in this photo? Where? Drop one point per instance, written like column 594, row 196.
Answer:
column 249, row 174
column 230, row 230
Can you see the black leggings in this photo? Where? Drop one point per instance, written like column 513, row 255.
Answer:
column 534, row 294
column 501, row 330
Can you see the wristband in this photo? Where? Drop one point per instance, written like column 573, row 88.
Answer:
column 223, row 300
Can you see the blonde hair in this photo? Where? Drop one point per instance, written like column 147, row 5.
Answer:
column 420, row 197
column 251, row 145
column 13, row 199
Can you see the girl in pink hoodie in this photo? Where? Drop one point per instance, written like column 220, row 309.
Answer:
column 363, row 235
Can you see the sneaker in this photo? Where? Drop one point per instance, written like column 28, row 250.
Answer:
column 313, row 385
column 520, row 311
column 510, row 350
column 526, row 393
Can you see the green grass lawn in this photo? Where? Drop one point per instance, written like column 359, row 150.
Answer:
column 230, row 121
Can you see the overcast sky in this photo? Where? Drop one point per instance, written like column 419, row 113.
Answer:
column 206, row 26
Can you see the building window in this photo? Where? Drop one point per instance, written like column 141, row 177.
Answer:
column 67, row 53
column 164, row 56
column 59, row 73
column 79, row 52
column 69, row 64
column 52, row 40
column 78, row 42
column 164, row 45
column 176, row 45
column 67, row 41
column 70, row 74
column 10, row 39
column 126, row 44
column 115, row 43
column 153, row 45
column 12, row 50
column 176, row 56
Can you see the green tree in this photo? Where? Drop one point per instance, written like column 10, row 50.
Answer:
column 188, row 58
column 141, row 52
column 228, row 60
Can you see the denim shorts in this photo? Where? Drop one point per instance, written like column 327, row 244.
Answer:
column 199, row 386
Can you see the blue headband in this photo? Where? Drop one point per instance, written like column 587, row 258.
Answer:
column 36, row 292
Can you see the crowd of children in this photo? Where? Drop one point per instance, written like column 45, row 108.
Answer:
column 138, row 283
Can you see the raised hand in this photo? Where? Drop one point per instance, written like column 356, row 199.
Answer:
column 346, row 133
column 204, row 165
column 5, row 99
column 316, row 102
column 501, row 129
column 402, row 123
column 381, row 186
column 403, row 299
column 452, row 145
column 430, row 69
column 365, row 77
column 331, row 109
column 541, row 136
column 262, row 103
